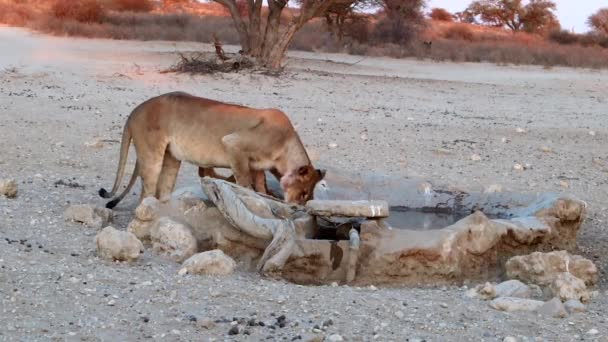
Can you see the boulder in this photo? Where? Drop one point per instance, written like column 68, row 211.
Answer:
column 542, row 268
column 566, row 286
column 88, row 215
column 8, row 188
column 213, row 262
column 173, row 239
column 510, row 304
column 553, row 308
column 113, row 244
column 371, row 209
column 574, row 306
column 513, row 288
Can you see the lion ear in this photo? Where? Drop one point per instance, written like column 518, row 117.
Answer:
column 321, row 173
column 303, row 170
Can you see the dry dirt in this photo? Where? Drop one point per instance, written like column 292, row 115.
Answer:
column 63, row 103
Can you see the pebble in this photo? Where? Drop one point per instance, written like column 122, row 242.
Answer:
column 593, row 332
column 520, row 130
column 332, row 145
column 336, row 338
column 574, row 306
column 443, row 305
column 518, row 167
column 475, row 157
column 399, row 314
column 509, row 339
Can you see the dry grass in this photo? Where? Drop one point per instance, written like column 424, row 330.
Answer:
column 451, row 41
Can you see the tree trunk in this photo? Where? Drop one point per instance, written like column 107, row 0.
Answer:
column 255, row 29
column 239, row 24
column 277, row 51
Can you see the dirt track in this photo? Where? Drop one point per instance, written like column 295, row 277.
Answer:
column 399, row 117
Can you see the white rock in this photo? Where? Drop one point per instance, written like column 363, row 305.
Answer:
column 88, row 215
column 332, row 145
column 592, row 133
column 8, row 188
column 509, row 339
column 553, row 308
column 399, row 314
column 113, row 244
column 574, row 306
column 173, row 240
column 513, row 288
column 475, row 157
column 374, row 208
column 545, row 149
column 213, row 262
column 492, row 188
column 335, row 338
column 566, row 286
column 593, row 332
column 510, row 304
column 518, row 167
column 520, row 130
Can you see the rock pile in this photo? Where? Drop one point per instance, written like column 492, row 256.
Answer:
column 563, row 277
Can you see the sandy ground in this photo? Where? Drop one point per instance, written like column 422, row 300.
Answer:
column 398, row 117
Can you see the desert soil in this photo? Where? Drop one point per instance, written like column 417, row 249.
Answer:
column 63, row 103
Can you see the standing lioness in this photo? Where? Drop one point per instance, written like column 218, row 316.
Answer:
column 176, row 127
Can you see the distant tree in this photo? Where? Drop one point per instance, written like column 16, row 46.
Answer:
column 441, row 14
column 465, row 17
column 401, row 21
column 535, row 16
column 599, row 21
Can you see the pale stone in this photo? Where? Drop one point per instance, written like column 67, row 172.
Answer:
column 88, row 215
column 486, row 291
column 566, row 286
column 492, row 188
column 374, row 208
column 574, row 306
column 335, row 338
column 513, row 288
column 509, row 339
column 148, row 209
column 113, row 244
column 8, row 188
column 542, row 268
column 510, row 304
column 553, row 308
column 213, row 262
column 141, row 229
column 173, row 239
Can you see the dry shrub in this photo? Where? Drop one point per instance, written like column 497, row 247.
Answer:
column 205, row 63
column 441, row 14
column 86, row 11
column 459, row 32
column 131, row 5
column 144, row 26
column 14, row 14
